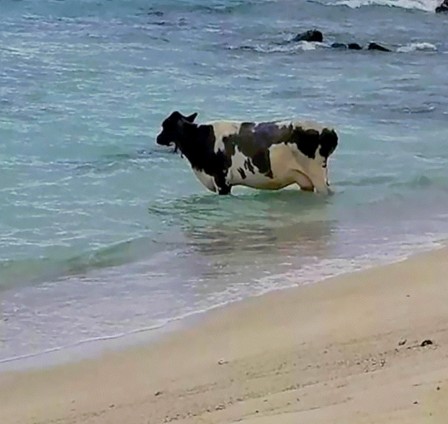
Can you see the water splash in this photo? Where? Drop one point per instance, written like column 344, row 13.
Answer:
column 412, row 47
column 426, row 5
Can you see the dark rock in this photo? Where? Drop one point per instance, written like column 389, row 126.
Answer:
column 402, row 342
column 350, row 46
column 375, row 46
column 310, row 35
column 354, row 46
column 443, row 8
column 339, row 46
column 426, row 342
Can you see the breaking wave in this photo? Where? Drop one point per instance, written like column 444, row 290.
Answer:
column 36, row 270
column 279, row 48
column 426, row 5
column 412, row 47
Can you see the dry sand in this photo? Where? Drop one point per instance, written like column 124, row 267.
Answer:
column 347, row 350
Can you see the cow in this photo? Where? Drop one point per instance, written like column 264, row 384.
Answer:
column 264, row 155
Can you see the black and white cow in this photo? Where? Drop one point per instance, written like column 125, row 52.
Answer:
column 265, row 155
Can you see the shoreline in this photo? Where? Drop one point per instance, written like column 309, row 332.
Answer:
column 348, row 348
column 93, row 348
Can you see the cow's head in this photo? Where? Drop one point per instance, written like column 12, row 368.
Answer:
column 173, row 128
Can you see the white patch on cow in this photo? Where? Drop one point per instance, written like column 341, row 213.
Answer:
column 223, row 129
column 286, row 168
column 285, row 171
column 205, row 179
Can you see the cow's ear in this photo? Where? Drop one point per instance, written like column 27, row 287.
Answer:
column 192, row 117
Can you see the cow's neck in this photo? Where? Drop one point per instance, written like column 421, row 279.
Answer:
column 197, row 144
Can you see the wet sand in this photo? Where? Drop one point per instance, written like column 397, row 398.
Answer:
column 368, row 347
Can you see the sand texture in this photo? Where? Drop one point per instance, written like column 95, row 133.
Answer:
column 346, row 350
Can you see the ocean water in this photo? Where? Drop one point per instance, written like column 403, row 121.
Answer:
column 103, row 233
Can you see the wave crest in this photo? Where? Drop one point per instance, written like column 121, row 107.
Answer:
column 412, row 47
column 279, row 48
column 425, row 5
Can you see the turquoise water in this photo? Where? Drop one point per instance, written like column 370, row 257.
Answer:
column 104, row 233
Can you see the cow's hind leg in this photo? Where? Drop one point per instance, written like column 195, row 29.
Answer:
column 304, row 182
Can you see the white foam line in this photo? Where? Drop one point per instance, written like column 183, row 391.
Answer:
column 425, row 5
column 332, row 267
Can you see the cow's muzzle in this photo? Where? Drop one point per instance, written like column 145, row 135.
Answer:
column 163, row 141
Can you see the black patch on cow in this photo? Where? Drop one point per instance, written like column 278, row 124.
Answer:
column 242, row 173
column 223, row 188
column 307, row 141
column 220, row 181
column 328, row 142
column 253, row 141
column 262, row 161
column 248, row 165
column 197, row 143
column 229, row 146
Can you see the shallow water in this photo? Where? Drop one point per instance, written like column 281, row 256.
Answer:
column 103, row 233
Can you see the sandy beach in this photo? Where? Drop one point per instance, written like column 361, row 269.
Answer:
column 369, row 347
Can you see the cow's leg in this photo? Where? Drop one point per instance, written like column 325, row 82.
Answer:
column 304, row 182
column 323, row 189
column 222, row 186
column 321, row 184
column 224, row 190
column 319, row 177
column 313, row 183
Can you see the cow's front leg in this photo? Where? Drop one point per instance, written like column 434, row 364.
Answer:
column 319, row 178
column 309, row 189
column 304, row 182
column 222, row 186
column 224, row 190
column 322, row 188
